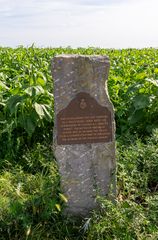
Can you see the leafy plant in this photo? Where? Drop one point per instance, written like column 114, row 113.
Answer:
column 31, row 200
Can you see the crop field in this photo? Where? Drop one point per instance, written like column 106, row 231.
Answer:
column 31, row 201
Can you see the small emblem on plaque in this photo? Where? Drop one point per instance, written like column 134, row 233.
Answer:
column 83, row 104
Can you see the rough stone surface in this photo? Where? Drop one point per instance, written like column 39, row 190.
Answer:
column 87, row 170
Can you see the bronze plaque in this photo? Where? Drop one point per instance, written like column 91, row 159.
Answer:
column 84, row 120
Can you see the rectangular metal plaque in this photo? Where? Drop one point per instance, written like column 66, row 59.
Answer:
column 84, row 121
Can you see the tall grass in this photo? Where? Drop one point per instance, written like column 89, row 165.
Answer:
column 31, row 202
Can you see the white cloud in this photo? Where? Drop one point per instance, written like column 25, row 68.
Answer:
column 27, row 7
column 79, row 23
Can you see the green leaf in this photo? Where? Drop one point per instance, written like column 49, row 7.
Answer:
column 137, row 116
column 156, row 70
column 141, row 101
column 46, row 109
column 41, row 81
column 39, row 110
column 13, row 101
column 3, row 86
column 34, row 90
column 141, row 76
column 29, row 125
column 154, row 82
column 58, row 207
column 63, row 198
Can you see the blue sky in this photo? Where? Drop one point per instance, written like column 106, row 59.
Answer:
column 79, row 23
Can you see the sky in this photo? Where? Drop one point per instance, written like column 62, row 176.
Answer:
column 79, row 23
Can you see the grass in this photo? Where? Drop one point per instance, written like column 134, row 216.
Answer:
column 31, row 206
column 31, row 202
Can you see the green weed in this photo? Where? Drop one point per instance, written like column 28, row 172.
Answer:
column 31, row 201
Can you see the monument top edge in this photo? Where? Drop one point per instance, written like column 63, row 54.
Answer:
column 101, row 57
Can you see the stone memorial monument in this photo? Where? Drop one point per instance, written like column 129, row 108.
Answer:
column 84, row 129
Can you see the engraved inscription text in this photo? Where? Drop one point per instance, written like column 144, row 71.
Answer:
column 84, row 128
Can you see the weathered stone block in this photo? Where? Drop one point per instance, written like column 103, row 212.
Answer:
column 84, row 143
